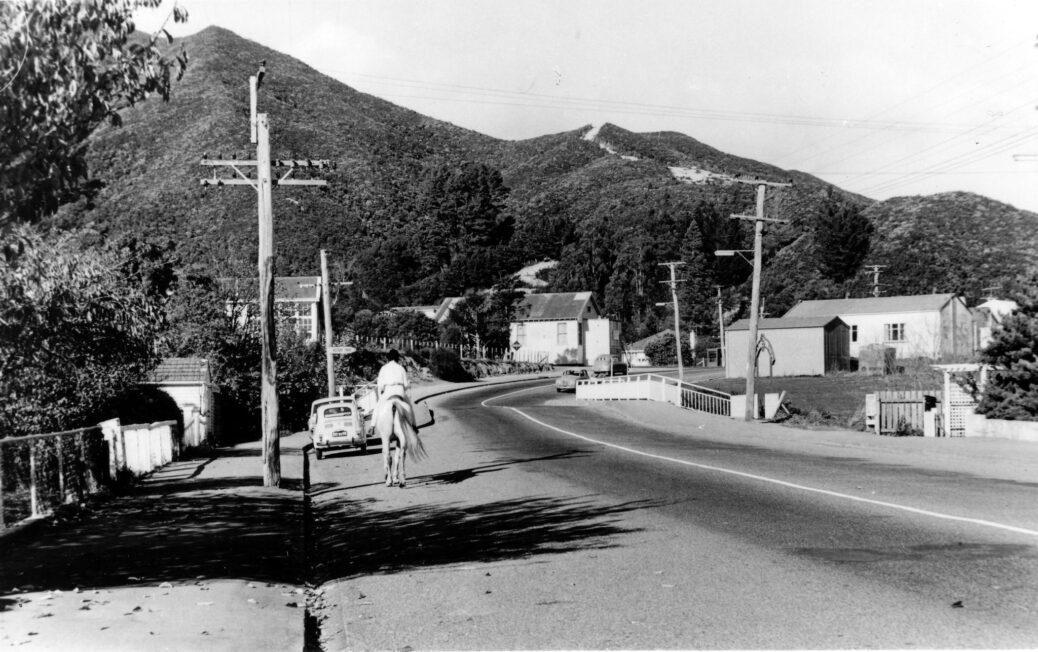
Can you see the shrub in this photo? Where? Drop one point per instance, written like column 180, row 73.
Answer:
column 446, row 365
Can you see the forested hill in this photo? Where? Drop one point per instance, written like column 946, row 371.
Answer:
column 418, row 209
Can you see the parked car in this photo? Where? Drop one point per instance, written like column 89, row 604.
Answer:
column 567, row 382
column 608, row 365
column 335, row 423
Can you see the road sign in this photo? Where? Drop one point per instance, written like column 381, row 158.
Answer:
column 342, row 350
column 516, row 345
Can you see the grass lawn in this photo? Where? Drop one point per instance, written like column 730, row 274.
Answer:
column 836, row 401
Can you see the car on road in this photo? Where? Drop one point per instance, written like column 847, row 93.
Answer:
column 608, row 365
column 336, row 423
column 567, row 382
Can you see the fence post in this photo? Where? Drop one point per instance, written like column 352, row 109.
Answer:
column 59, row 450
column 34, row 505
column 2, row 526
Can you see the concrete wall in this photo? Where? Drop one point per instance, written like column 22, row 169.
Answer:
column 978, row 425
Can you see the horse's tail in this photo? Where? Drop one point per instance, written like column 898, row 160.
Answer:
column 409, row 433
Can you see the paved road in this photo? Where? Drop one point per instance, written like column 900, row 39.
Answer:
column 541, row 522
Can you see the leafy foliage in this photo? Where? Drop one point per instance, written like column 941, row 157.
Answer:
column 483, row 319
column 842, row 238
column 661, row 350
column 66, row 67
column 76, row 333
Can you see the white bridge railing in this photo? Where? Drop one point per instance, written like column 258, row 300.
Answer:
column 654, row 387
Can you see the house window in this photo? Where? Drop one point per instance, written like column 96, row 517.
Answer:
column 894, row 332
column 561, row 337
column 520, row 334
column 854, row 332
column 296, row 316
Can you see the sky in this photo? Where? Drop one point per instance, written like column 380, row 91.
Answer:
column 880, row 97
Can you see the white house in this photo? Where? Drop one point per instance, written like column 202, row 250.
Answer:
column 562, row 328
column 935, row 326
column 188, row 382
column 297, row 302
column 788, row 346
column 989, row 316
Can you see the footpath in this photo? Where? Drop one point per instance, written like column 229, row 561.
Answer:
column 201, row 556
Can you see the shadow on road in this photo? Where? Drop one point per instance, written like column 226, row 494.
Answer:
column 363, row 538
column 221, row 527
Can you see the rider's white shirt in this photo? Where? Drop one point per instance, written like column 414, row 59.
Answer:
column 392, row 380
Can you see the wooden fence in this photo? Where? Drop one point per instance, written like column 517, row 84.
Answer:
column 904, row 412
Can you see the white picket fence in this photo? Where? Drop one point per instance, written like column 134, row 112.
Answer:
column 653, row 387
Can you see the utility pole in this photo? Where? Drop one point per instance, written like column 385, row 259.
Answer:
column 758, row 238
column 673, row 282
column 263, row 183
column 326, row 299
column 875, row 278
column 720, row 320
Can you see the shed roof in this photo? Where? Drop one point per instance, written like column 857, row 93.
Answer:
column 180, row 370
column 870, row 305
column 557, row 306
column 779, row 323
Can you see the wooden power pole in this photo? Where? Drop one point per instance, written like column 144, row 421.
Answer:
column 673, row 282
column 758, row 237
column 326, row 299
column 263, row 183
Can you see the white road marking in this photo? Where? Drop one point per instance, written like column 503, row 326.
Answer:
column 761, row 478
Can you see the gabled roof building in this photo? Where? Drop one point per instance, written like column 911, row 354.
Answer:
column 934, row 326
column 562, row 328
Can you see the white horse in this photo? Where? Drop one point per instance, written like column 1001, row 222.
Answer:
column 394, row 422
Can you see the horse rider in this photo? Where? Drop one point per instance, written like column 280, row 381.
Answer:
column 393, row 381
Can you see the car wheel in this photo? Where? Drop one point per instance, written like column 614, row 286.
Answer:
column 319, row 453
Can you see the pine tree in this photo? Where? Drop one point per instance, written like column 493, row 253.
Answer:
column 1012, row 388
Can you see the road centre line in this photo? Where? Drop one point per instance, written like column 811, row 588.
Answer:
column 761, row 478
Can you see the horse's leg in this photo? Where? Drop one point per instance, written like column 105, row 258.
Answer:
column 403, row 458
column 385, row 460
column 396, row 462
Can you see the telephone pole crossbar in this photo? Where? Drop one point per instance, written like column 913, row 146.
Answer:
column 758, row 220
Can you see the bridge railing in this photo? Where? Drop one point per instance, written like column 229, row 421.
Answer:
column 654, row 387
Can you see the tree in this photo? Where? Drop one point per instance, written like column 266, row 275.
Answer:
column 1012, row 388
column 66, row 67
column 76, row 334
column 696, row 294
column 842, row 238
column 484, row 319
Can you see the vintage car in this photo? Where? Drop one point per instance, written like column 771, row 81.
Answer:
column 338, row 422
column 608, row 365
column 567, row 382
